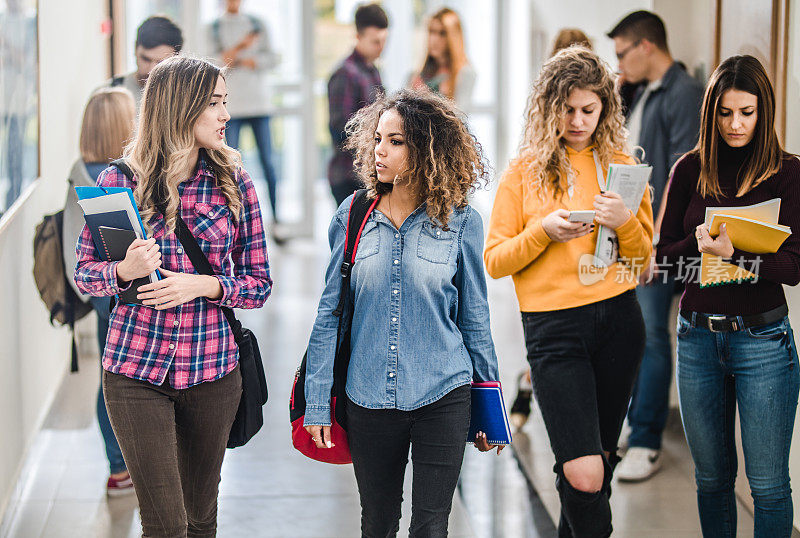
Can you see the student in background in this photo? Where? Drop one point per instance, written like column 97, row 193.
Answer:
column 584, row 336
column 567, row 37
column 664, row 121
column 735, row 343
column 241, row 43
column 157, row 39
column 171, row 378
column 446, row 69
column 420, row 299
column 354, row 84
column 521, row 408
column 108, row 124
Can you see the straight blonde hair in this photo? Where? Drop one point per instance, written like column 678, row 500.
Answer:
column 456, row 53
column 178, row 90
column 108, row 124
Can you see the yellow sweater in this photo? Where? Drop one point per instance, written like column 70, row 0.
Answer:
column 549, row 275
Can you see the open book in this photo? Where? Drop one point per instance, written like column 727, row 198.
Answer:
column 752, row 228
column 630, row 182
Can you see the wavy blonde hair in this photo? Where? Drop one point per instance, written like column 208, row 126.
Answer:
column 542, row 149
column 178, row 90
column 445, row 161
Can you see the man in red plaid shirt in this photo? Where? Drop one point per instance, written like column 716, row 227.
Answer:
column 352, row 86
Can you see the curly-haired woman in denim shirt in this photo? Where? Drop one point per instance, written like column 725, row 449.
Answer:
column 420, row 332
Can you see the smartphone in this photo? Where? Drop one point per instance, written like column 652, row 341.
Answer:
column 581, row 216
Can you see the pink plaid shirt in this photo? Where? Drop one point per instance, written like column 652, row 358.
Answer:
column 191, row 343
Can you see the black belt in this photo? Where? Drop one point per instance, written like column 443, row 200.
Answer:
column 719, row 324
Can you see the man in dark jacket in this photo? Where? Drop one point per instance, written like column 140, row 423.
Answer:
column 663, row 119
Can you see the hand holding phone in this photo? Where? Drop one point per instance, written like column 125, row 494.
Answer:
column 581, row 216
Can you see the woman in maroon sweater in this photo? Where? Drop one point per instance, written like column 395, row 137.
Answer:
column 735, row 344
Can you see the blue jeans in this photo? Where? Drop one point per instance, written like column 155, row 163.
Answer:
column 649, row 407
column 756, row 369
column 261, row 132
column 116, row 462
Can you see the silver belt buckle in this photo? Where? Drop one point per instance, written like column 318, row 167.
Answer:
column 712, row 319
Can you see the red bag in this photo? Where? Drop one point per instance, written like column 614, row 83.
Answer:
column 360, row 209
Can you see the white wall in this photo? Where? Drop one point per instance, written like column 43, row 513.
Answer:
column 690, row 32
column 34, row 356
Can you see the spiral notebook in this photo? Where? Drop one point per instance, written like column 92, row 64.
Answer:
column 489, row 414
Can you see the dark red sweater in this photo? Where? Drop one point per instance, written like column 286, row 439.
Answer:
column 686, row 210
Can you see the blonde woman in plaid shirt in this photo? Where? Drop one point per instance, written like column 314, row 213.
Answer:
column 170, row 378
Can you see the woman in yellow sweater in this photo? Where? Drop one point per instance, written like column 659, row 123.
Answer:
column 583, row 327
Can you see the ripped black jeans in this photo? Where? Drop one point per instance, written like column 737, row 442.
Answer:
column 584, row 362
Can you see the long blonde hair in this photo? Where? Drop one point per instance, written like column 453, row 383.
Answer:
column 107, row 125
column 456, row 54
column 178, row 90
column 542, row 150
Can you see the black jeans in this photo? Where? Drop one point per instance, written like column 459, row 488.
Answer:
column 174, row 441
column 379, row 441
column 584, row 361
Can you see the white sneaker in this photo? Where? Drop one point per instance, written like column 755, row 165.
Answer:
column 638, row 464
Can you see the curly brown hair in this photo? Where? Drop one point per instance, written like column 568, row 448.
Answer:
column 445, row 161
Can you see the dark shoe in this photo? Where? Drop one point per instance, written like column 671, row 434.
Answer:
column 521, row 408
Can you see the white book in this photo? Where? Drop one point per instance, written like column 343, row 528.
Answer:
column 630, row 182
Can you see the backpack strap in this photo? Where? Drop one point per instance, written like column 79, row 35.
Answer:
column 360, row 209
column 124, row 168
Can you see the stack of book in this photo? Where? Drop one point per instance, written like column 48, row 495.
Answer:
column 114, row 222
column 752, row 228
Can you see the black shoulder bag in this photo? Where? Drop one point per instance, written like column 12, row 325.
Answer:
column 249, row 416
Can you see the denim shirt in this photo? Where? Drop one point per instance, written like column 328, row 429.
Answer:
column 421, row 321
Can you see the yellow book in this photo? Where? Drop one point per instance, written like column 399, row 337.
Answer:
column 751, row 228
column 751, row 235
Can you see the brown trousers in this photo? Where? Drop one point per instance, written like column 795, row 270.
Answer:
column 173, row 442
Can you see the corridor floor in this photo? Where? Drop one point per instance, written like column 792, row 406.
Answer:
column 270, row 490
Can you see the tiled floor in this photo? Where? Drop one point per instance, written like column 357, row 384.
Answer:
column 270, row 490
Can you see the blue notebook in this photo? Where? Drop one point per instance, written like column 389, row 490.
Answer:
column 489, row 414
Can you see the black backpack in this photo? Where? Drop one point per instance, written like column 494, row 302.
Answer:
column 65, row 306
